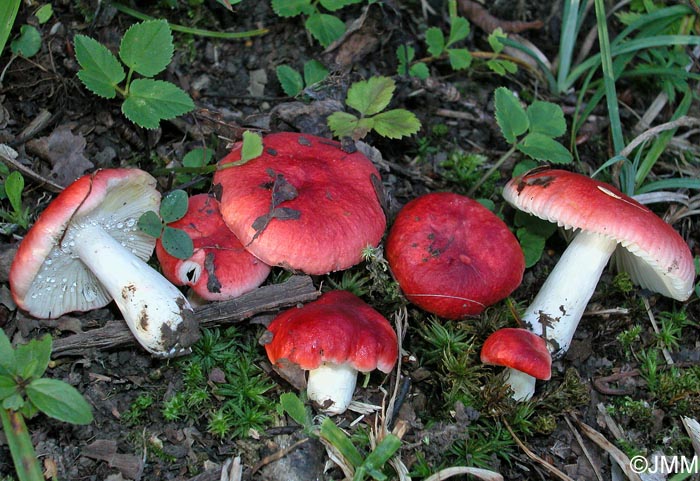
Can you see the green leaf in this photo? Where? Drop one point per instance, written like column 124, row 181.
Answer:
column 101, row 71
column 151, row 224
column 546, row 118
column 147, row 47
column 544, row 148
column 291, row 81
column 460, row 58
column 342, row 124
column 419, row 70
column 7, row 355
column 14, row 185
column 510, row 115
column 374, row 462
column 174, row 205
column 495, row 40
column 404, row 54
column 335, row 436
column 8, row 13
column 334, row 5
column 502, row 67
column 177, row 243
column 396, row 123
column 33, row 357
column 151, row 101
column 198, row 157
column 28, row 43
column 59, row 400
column 291, row 8
column 8, row 387
column 459, row 29
column 314, row 72
column 371, row 96
column 325, row 28
column 532, row 245
column 252, row 146
column 293, row 406
column 13, row 402
column 435, row 40
column 44, row 13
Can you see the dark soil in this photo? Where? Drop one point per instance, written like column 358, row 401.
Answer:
column 234, row 86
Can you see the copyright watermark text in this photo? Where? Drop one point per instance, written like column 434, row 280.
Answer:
column 665, row 464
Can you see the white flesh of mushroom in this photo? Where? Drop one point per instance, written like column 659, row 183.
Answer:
column 332, row 382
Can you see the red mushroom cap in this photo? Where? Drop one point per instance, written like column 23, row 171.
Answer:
column 452, row 256
column 304, row 204
column 45, row 279
column 654, row 255
column 220, row 268
column 518, row 349
column 338, row 328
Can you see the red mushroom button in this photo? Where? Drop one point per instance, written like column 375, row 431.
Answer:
column 85, row 249
column 333, row 338
column 452, row 256
column 524, row 354
column 220, row 268
column 304, row 204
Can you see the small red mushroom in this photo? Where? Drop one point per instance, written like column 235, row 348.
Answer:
column 333, row 337
column 220, row 268
column 452, row 256
column 305, row 204
column 524, row 354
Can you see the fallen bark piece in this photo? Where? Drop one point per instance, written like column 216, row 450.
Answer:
column 129, row 465
column 113, row 334
column 479, row 16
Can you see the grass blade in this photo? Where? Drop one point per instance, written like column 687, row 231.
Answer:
column 8, row 13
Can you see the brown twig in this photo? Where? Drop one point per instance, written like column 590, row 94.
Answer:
column 481, row 17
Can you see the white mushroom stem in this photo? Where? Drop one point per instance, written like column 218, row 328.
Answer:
column 523, row 385
column 157, row 313
column 332, row 382
column 558, row 307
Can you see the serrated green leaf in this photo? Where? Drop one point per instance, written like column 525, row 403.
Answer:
column 59, row 400
column 495, row 39
column 7, row 355
column 101, row 71
column 459, row 29
column 404, row 54
column 291, row 8
column 13, row 402
column 28, row 43
column 435, row 40
column 44, row 13
column 177, row 243
column 151, row 101
column 501, row 67
column 532, row 245
column 147, row 47
column 460, row 58
column 151, row 224
column 325, row 28
column 291, row 81
column 174, row 205
column 546, row 118
column 198, row 157
column 419, row 70
column 544, row 148
column 33, row 357
column 342, row 124
column 8, row 387
column 314, row 72
column 252, row 146
column 396, row 123
column 510, row 115
column 371, row 96
column 334, row 5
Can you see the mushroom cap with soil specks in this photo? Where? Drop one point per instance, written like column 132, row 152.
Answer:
column 305, row 204
column 219, row 268
column 452, row 256
column 518, row 349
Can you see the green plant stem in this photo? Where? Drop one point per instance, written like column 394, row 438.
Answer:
column 497, row 165
column 194, row 31
column 21, row 448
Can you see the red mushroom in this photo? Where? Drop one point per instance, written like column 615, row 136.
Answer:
column 220, row 268
column 333, row 337
column 304, row 204
column 452, row 256
column 85, row 249
column 609, row 223
column 524, row 353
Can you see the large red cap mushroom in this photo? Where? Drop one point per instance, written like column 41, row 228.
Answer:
column 608, row 223
column 219, row 268
column 452, row 256
column 524, row 353
column 304, row 204
column 85, row 249
column 333, row 337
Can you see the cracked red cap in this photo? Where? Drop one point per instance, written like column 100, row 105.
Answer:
column 337, row 328
column 220, row 268
column 654, row 255
column 518, row 349
column 452, row 256
column 305, row 204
